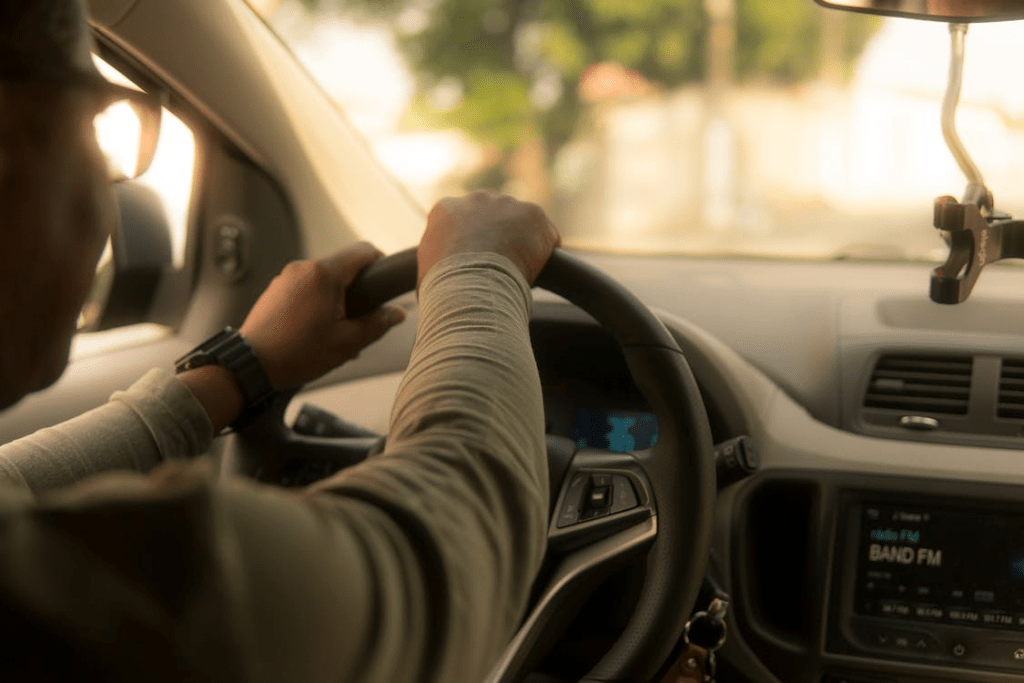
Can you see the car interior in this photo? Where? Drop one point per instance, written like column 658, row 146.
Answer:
column 817, row 443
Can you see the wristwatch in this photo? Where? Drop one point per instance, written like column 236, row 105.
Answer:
column 229, row 350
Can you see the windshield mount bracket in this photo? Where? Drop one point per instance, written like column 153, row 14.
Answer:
column 974, row 242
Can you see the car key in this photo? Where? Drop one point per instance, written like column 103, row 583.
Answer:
column 707, row 630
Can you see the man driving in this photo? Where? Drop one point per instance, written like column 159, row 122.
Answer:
column 122, row 557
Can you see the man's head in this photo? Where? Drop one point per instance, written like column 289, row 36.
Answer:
column 44, row 36
column 56, row 203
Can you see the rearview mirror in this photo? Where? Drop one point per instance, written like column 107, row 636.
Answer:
column 953, row 11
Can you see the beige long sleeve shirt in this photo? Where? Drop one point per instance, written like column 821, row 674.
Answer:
column 412, row 566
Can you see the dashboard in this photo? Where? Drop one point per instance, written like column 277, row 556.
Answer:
column 862, row 551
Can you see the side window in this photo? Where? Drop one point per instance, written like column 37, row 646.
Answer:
column 146, row 255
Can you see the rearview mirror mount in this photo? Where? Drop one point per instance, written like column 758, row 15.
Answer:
column 951, row 11
column 977, row 234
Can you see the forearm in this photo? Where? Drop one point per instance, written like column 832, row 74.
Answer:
column 218, row 393
column 156, row 419
column 464, row 474
column 413, row 566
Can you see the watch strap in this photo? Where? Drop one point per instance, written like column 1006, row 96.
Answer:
column 229, row 350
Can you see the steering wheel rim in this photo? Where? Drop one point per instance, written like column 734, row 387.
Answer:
column 674, row 479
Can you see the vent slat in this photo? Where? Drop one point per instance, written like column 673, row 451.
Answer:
column 1011, row 396
column 1010, row 404
column 907, row 386
column 959, row 364
column 918, row 404
column 921, row 384
column 922, row 376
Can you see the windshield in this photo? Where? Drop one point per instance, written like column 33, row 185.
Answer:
column 724, row 127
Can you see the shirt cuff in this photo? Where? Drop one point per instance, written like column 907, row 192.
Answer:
column 174, row 417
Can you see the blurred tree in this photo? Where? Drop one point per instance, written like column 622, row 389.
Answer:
column 509, row 71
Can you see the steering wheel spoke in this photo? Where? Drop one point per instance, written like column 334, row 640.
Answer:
column 576, row 573
column 603, row 493
column 603, row 516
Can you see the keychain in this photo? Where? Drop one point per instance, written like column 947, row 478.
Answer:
column 703, row 635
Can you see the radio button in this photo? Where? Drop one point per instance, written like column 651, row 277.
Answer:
column 930, row 612
column 893, row 608
column 914, row 642
column 996, row 618
column 967, row 616
column 872, row 635
column 1005, row 653
column 958, row 650
column 896, row 641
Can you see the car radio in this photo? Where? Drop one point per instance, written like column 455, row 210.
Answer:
column 932, row 580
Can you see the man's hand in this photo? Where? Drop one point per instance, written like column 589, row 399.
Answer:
column 298, row 330
column 298, row 326
column 487, row 222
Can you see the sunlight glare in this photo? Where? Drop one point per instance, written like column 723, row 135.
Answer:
column 118, row 131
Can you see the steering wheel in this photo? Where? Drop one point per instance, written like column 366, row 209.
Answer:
column 607, row 507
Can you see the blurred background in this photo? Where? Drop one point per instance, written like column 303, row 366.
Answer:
column 729, row 127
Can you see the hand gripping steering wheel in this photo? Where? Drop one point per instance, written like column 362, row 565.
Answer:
column 660, row 500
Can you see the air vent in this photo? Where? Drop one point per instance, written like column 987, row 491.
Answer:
column 925, row 384
column 1011, row 389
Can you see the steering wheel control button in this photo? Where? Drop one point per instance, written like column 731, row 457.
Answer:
column 595, row 494
column 623, row 495
column 598, row 499
column 573, row 501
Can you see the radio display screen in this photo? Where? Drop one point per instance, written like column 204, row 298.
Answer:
column 941, row 564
